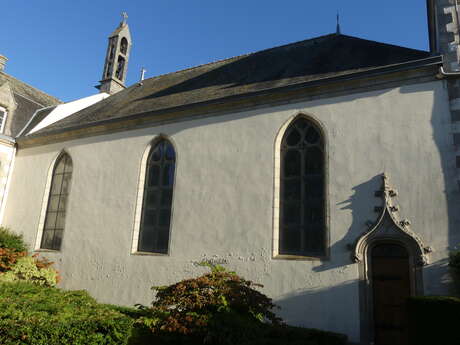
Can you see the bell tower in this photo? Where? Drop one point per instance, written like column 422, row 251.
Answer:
column 116, row 60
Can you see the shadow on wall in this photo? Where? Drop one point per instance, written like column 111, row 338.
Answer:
column 437, row 279
column 442, row 136
column 361, row 203
column 334, row 308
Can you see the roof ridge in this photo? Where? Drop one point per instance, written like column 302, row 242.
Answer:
column 388, row 44
column 32, row 87
column 242, row 55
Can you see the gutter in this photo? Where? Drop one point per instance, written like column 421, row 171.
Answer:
column 443, row 73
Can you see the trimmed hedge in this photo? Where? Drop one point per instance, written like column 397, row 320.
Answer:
column 434, row 320
column 32, row 314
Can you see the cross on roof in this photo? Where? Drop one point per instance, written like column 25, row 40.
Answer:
column 125, row 17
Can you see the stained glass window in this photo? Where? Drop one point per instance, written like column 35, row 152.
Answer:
column 57, row 203
column 157, row 202
column 302, row 199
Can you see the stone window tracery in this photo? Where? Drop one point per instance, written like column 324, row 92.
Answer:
column 302, row 192
column 157, row 200
column 57, row 203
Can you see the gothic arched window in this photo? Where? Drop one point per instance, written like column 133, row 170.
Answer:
column 302, row 193
column 157, row 201
column 57, row 203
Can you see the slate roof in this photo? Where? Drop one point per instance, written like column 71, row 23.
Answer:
column 291, row 64
column 38, row 117
column 28, row 99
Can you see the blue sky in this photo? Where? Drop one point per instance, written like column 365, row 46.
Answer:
column 59, row 46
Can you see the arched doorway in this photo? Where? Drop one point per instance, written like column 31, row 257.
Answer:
column 390, row 259
column 391, row 286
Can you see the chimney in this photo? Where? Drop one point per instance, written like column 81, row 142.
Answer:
column 3, row 61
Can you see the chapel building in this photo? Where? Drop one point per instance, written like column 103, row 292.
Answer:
column 327, row 170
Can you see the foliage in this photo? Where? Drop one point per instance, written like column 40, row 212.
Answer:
column 16, row 265
column 219, row 308
column 10, row 240
column 8, row 258
column 33, row 314
column 454, row 265
column 12, row 247
column 28, row 269
column 434, row 320
column 231, row 329
column 189, row 307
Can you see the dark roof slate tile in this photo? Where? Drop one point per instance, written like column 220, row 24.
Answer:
column 291, row 64
column 28, row 99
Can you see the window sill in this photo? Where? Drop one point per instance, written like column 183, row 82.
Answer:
column 148, row 254
column 298, row 257
column 43, row 250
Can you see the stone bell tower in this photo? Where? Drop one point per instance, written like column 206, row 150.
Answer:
column 116, row 60
column 444, row 34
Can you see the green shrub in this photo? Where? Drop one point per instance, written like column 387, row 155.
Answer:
column 10, row 240
column 219, row 308
column 37, row 315
column 15, row 265
column 434, row 320
column 189, row 306
column 26, row 269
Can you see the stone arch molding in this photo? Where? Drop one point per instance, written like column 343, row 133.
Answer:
column 390, row 227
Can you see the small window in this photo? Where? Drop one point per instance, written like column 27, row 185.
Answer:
column 57, row 203
column 157, row 201
column 120, row 67
column 302, row 219
column 2, row 119
column 124, row 46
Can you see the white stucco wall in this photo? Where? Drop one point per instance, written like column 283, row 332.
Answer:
column 223, row 200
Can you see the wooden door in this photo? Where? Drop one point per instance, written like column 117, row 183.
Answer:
column 391, row 288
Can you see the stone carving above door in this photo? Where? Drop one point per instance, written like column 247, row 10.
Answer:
column 390, row 227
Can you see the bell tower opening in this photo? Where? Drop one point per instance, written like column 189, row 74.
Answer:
column 116, row 60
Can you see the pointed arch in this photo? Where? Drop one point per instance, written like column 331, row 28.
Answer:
column 155, row 196
column 52, row 223
column 388, row 230
column 300, row 203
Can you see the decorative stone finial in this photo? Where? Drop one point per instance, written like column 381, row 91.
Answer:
column 389, row 226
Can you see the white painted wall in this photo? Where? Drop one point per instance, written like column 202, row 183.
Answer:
column 223, row 200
